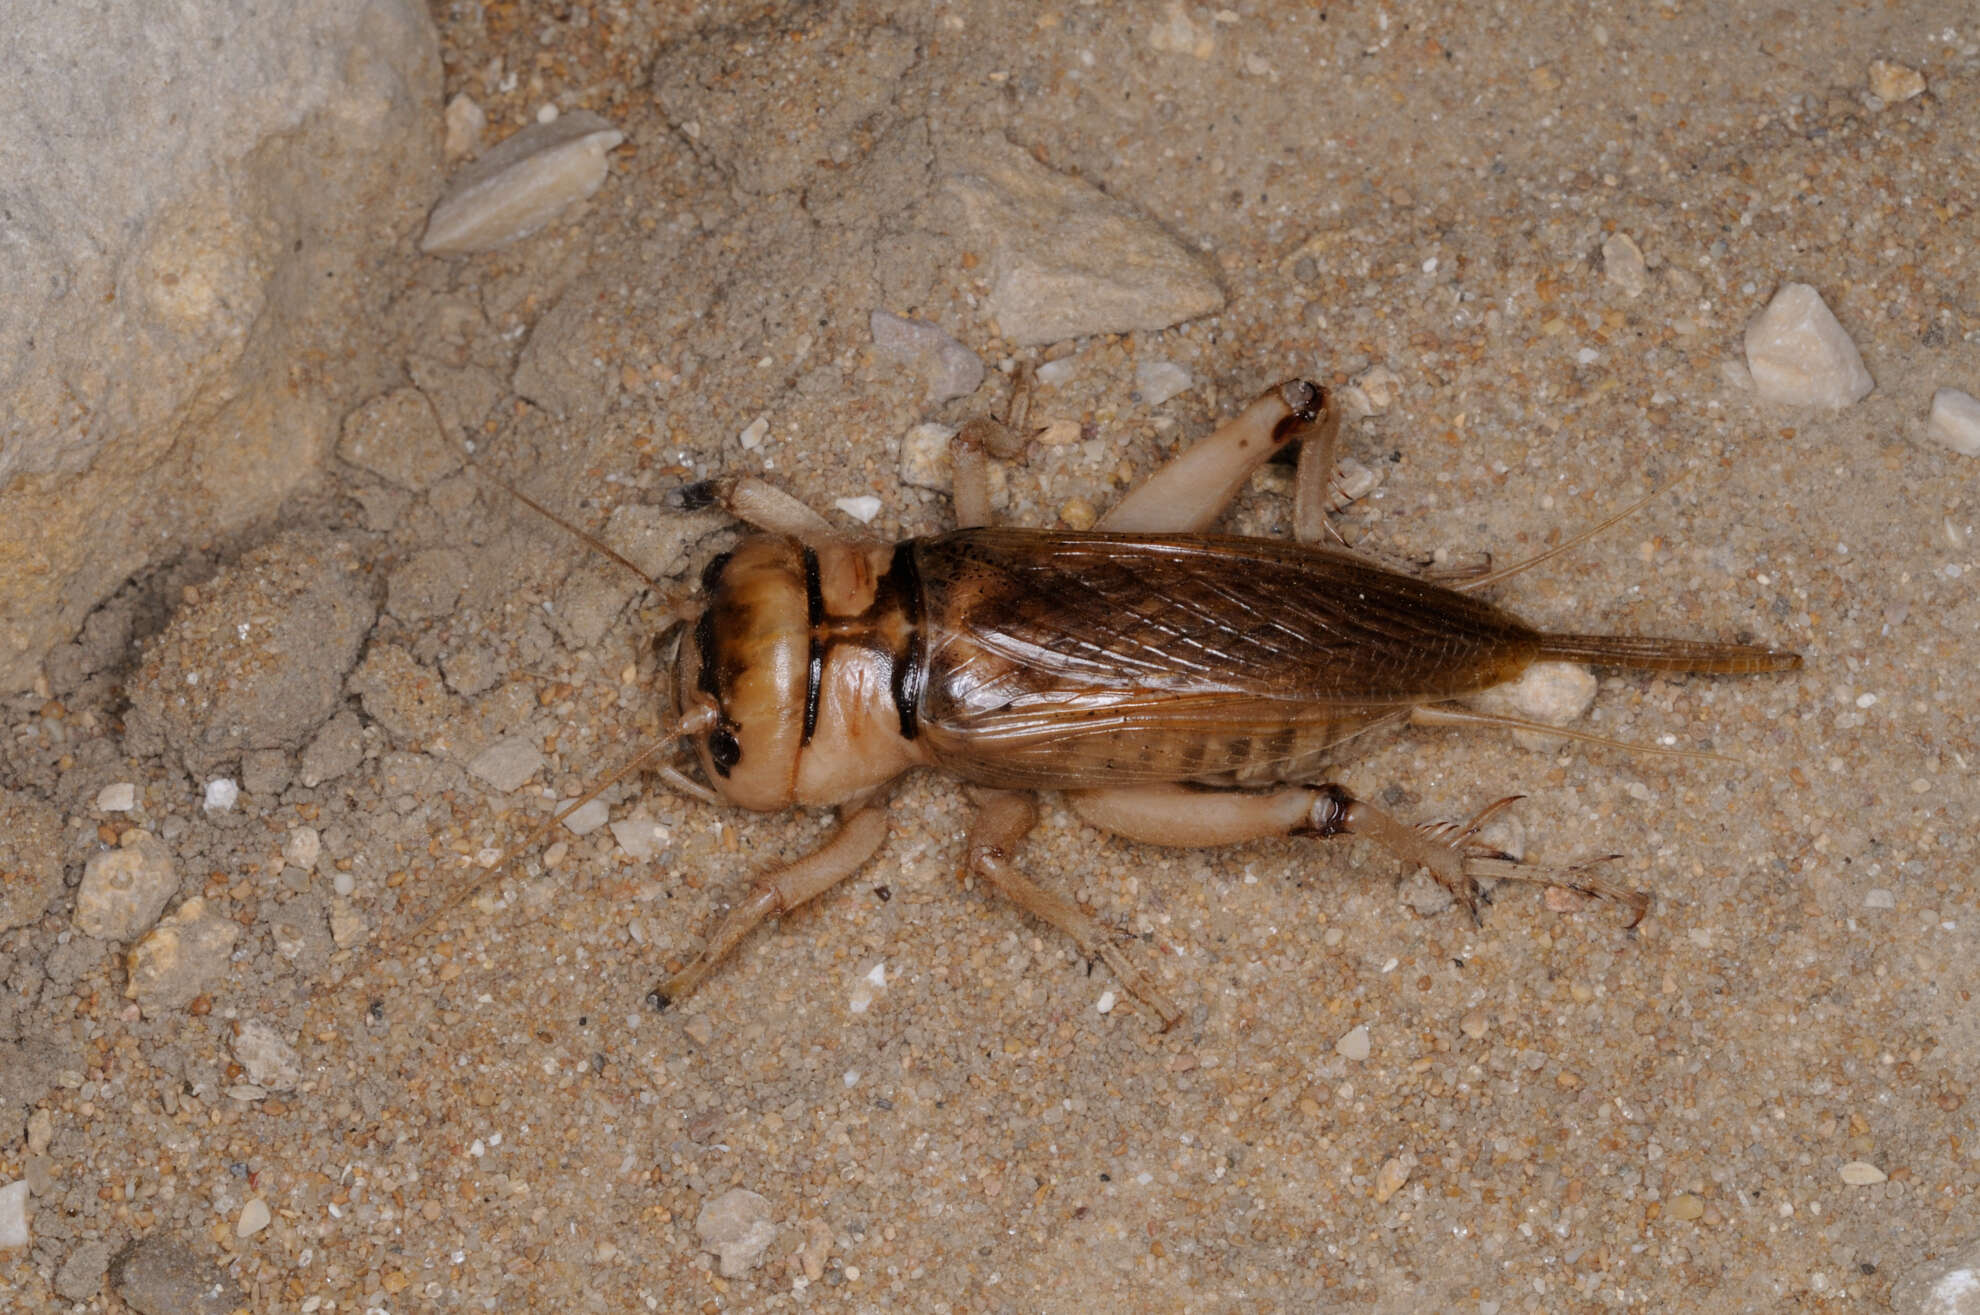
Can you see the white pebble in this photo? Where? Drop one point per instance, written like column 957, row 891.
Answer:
column 507, row 763
column 868, row 988
column 343, row 883
column 640, row 837
column 271, row 1062
column 1107, row 1001
column 862, row 509
column 1622, row 262
column 1158, row 381
column 466, row 121
column 1862, row 1173
column 303, row 847
column 752, row 435
column 1370, row 393
column 737, row 1228
column 1879, row 898
column 1054, row 373
column 1800, row 355
column 586, row 819
column 122, row 797
column 546, row 114
column 1354, row 1044
column 221, row 795
column 14, row 1216
column 1955, row 421
column 254, row 1218
column 522, row 184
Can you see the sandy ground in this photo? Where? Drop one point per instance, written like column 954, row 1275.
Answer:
column 1549, row 1113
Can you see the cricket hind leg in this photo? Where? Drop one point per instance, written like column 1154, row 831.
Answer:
column 1182, row 817
column 1002, row 821
column 1192, row 489
column 777, row 892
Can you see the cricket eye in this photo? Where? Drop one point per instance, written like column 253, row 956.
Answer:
column 723, row 750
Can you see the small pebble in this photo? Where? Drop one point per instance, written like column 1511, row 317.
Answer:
column 271, row 1062
column 1158, row 381
column 466, row 122
column 222, row 794
column 1685, row 1206
column 1475, row 1025
column 180, row 956
column 699, row 1029
column 506, row 764
column 1389, row 1179
column 1879, row 898
column 1056, row 372
column 14, row 1216
column 736, row 1227
column 1553, row 693
column 254, row 1218
column 950, row 369
column 862, row 509
column 1078, row 514
column 522, row 184
column 1800, row 355
column 587, row 819
column 752, row 434
column 1058, row 433
column 925, row 457
column 40, row 1131
column 641, row 837
column 1622, row 262
column 125, row 889
column 867, row 989
column 1370, row 393
column 303, row 847
column 1955, row 421
column 1425, row 895
column 1105, row 1004
column 1175, row 34
column 1892, row 83
column 118, row 798
column 1354, row 1044
column 1862, row 1173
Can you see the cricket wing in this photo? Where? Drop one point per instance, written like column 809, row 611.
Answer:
column 1130, row 657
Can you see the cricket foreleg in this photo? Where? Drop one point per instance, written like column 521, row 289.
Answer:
column 979, row 440
column 1002, row 821
column 1191, row 818
column 778, row 892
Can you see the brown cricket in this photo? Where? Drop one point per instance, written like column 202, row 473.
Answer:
column 1180, row 687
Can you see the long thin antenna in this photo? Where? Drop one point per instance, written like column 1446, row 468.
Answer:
column 591, row 540
column 1507, row 573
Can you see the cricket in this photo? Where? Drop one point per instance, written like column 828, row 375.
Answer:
column 1178, row 686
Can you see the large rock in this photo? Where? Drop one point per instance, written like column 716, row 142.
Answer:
column 188, row 206
column 1068, row 260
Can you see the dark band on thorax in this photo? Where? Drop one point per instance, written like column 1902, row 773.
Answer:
column 902, row 586
column 814, row 655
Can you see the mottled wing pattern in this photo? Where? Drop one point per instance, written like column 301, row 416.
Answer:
column 1140, row 658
